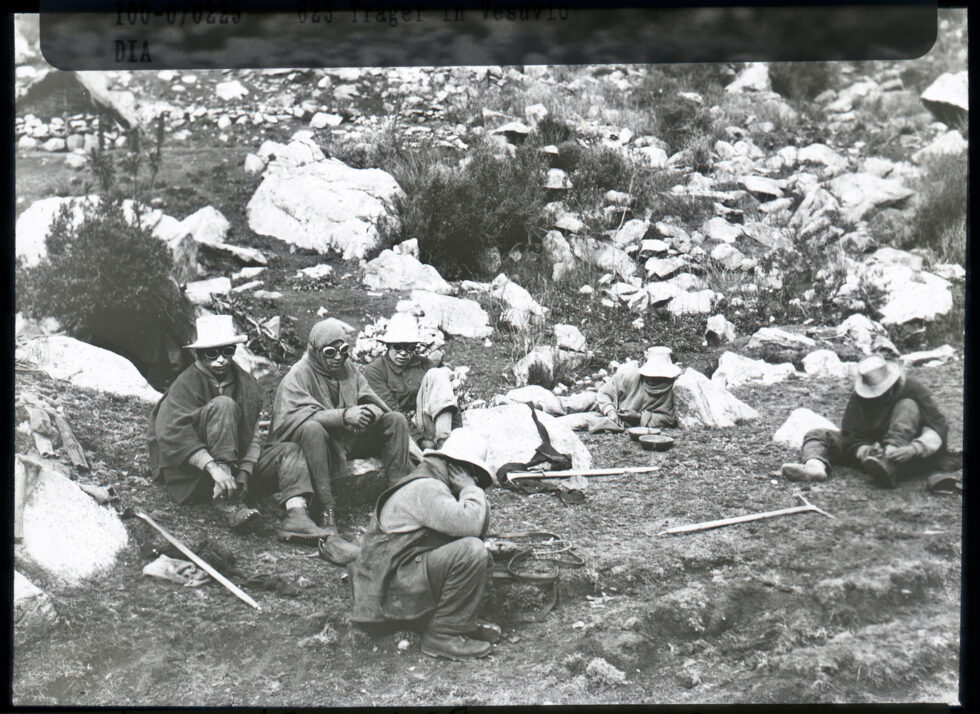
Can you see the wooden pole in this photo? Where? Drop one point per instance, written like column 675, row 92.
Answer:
column 707, row 525
column 230, row 586
column 581, row 472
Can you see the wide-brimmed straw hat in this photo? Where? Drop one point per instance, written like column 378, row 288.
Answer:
column 215, row 331
column 467, row 446
column 658, row 364
column 875, row 376
column 401, row 328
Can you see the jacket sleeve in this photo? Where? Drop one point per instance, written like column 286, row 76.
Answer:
column 375, row 374
column 607, row 398
column 931, row 416
column 469, row 516
column 368, row 398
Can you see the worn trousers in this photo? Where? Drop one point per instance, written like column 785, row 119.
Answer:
column 216, row 425
column 435, row 396
column 904, row 424
column 387, row 438
column 459, row 574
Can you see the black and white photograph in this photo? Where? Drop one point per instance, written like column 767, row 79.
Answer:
column 484, row 379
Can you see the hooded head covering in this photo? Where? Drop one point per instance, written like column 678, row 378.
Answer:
column 323, row 333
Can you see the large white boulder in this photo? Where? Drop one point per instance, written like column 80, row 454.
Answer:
column 88, row 366
column 801, row 421
column 454, row 316
column 232, row 89
column 948, row 98
column 865, row 334
column 734, row 370
column 569, row 337
column 521, row 310
column 910, row 293
column 207, row 225
column 559, row 253
column 199, row 292
column 701, row 402
column 823, row 155
column 326, row 205
column 719, row 331
column 65, row 531
column 403, row 271
column 860, row 193
column 692, row 303
column 951, row 143
column 512, row 437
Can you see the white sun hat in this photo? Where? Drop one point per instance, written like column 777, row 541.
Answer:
column 216, row 331
column 402, row 327
column 468, row 446
column 875, row 376
column 659, row 364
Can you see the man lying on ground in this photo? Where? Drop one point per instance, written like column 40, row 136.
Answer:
column 423, row 560
column 325, row 405
column 415, row 385
column 203, row 436
column 891, row 429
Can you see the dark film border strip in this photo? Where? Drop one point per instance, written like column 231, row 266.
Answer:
column 212, row 34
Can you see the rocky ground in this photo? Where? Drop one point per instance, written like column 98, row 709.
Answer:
column 863, row 607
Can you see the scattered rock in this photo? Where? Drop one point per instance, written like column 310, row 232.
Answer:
column 938, row 356
column 801, row 421
column 692, row 303
column 824, row 364
column 199, row 292
column 233, row 89
column 948, row 98
column 603, row 673
column 521, row 309
column 859, row 193
column 719, row 331
column 734, row 370
column 603, row 255
column 395, row 271
column 454, row 316
column 700, row 402
column 774, row 337
column 951, row 143
column 754, row 77
column 569, row 337
column 719, row 229
column 557, row 180
column 547, row 359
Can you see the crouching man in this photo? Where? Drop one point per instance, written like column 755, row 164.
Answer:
column 325, row 405
column 203, row 436
column 423, row 559
column 891, row 429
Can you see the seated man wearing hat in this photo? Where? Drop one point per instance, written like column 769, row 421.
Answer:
column 891, row 428
column 202, row 434
column 644, row 395
column 423, row 559
column 409, row 382
column 325, row 405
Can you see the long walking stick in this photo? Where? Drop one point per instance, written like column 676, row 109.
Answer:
column 707, row 525
column 230, row 586
column 581, row 472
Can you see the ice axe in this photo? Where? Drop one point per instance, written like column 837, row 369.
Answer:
column 707, row 525
column 569, row 473
column 198, row 561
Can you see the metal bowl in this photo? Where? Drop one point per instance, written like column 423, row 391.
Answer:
column 636, row 432
column 656, row 442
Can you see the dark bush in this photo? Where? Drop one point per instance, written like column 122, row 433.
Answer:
column 940, row 212
column 458, row 214
column 552, row 131
column 102, row 266
column 802, row 80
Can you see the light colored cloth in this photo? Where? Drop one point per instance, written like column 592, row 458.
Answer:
column 177, row 571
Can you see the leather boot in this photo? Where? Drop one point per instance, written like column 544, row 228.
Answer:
column 803, row 472
column 328, row 520
column 881, row 470
column 455, row 647
column 298, row 524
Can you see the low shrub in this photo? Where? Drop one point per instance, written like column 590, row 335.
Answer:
column 101, row 266
column 939, row 223
column 803, row 80
column 458, row 214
